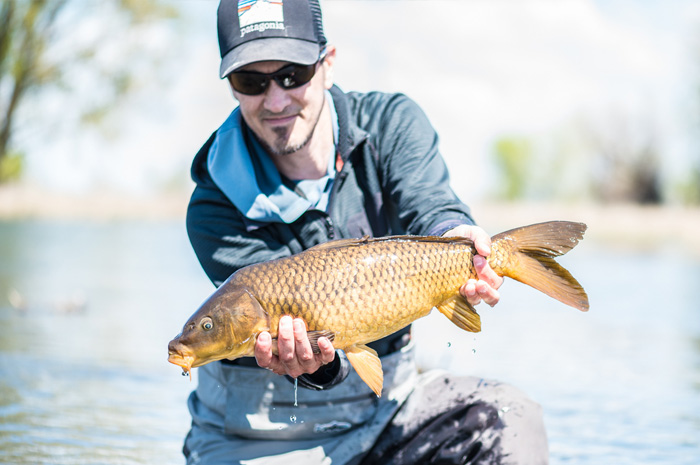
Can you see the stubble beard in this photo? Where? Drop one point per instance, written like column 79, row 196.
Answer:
column 281, row 147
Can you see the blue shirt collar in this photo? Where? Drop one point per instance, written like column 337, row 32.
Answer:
column 246, row 174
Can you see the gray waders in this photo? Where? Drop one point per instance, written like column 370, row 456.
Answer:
column 244, row 415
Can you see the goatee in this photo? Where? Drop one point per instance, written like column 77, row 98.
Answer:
column 281, row 147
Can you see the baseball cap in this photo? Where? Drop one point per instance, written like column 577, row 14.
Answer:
column 261, row 30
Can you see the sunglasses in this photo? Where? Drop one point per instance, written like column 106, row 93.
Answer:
column 289, row 77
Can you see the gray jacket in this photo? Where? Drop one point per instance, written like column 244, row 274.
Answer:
column 390, row 179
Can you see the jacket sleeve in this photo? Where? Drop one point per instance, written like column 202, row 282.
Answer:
column 415, row 176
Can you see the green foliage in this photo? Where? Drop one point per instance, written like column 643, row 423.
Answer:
column 615, row 160
column 41, row 49
column 11, row 167
column 513, row 158
column 687, row 191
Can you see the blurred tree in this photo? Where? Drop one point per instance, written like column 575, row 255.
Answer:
column 611, row 159
column 687, row 190
column 513, row 158
column 29, row 61
column 625, row 164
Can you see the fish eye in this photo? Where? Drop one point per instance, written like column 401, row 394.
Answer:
column 207, row 324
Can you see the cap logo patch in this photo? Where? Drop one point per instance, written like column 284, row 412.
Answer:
column 260, row 15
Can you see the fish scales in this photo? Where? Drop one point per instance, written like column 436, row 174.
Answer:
column 355, row 291
column 361, row 292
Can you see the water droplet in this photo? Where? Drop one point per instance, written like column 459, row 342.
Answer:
column 296, row 388
column 293, row 418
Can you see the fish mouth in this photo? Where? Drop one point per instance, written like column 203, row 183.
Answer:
column 184, row 361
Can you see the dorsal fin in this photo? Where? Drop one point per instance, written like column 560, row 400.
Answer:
column 338, row 243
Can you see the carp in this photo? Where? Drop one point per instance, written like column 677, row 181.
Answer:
column 355, row 291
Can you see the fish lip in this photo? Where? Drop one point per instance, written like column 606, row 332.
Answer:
column 184, row 361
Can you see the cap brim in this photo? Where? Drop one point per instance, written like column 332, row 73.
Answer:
column 270, row 49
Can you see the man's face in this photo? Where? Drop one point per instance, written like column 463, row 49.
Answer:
column 284, row 119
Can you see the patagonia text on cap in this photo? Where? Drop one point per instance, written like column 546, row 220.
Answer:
column 266, row 30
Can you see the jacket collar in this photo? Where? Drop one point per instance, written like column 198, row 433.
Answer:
column 350, row 135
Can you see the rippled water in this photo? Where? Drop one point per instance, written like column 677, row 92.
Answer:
column 84, row 376
column 87, row 309
column 619, row 384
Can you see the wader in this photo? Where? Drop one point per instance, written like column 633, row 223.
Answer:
column 250, row 418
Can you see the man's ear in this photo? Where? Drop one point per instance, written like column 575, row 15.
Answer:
column 327, row 65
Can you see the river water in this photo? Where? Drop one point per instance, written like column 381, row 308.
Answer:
column 87, row 310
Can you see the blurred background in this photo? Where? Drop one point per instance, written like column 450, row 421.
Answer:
column 583, row 110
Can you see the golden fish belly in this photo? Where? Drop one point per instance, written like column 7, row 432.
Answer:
column 362, row 293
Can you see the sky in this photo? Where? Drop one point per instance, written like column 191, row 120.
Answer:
column 480, row 69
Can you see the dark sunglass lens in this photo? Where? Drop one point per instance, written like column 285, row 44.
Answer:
column 249, row 83
column 297, row 76
column 289, row 77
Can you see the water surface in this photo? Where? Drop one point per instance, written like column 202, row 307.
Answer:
column 87, row 309
column 84, row 376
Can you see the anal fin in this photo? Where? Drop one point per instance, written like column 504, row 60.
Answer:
column 367, row 365
column 461, row 313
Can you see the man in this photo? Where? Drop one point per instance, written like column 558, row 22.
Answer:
column 298, row 163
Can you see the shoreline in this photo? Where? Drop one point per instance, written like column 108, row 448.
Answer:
column 624, row 225
column 18, row 202
column 635, row 225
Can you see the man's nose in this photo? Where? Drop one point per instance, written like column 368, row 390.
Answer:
column 276, row 98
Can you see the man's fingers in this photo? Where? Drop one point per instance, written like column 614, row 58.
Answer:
column 485, row 273
column 468, row 290
column 476, row 291
column 304, row 353
column 487, row 293
column 263, row 349
column 327, row 350
column 295, row 355
column 482, row 243
column 481, row 239
column 285, row 339
column 264, row 355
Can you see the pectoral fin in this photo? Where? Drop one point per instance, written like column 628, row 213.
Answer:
column 313, row 340
column 315, row 335
column 367, row 364
column 461, row 313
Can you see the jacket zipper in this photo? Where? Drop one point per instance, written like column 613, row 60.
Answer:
column 329, row 227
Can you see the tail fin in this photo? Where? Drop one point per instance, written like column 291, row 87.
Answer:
column 527, row 255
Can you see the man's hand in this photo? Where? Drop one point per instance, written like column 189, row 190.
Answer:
column 485, row 287
column 295, row 355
